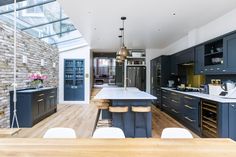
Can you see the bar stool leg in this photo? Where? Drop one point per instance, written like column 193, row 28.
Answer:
column 134, row 124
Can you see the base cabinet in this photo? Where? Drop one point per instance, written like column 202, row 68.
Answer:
column 34, row 105
column 205, row 118
column 232, row 121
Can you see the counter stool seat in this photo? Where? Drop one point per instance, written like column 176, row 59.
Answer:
column 109, row 132
column 60, row 133
column 137, row 110
column 118, row 109
column 176, row 133
column 102, row 106
column 141, row 109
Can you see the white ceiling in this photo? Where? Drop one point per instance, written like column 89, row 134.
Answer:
column 149, row 24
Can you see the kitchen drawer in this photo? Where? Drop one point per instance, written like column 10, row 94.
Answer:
column 192, row 120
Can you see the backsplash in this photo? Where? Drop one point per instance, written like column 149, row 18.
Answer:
column 35, row 50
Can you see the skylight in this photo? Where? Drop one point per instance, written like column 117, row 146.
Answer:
column 45, row 20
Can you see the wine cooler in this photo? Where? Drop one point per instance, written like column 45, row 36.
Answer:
column 209, row 119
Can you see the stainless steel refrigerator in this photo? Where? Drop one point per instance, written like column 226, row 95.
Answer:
column 136, row 77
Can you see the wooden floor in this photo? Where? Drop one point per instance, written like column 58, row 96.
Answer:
column 82, row 119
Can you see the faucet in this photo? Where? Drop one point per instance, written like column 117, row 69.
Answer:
column 125, row 82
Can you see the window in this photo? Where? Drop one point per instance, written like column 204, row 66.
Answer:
column 35, row 11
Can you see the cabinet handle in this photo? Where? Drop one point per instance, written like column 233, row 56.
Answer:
column 187, row 97
column 51, row 96
column 173, row 93
column 201, row 71
column 164, row 105
column 192, row 108
column 233, row 105
column 189, row 119
column 205, row 69
column 211, row 69
column 217, row 68
column 164, row 97
column 174, row 101
column 173, row 110
column 41, row 95
column 52, row 92
column 224, row 70
column 40, row 100
column 164, row 91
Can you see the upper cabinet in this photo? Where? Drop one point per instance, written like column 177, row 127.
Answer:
column 230, row 53
column 182, row 57
column 216, row 57
column 199, row 59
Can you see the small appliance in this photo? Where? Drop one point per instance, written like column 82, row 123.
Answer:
column 171, row 83
column 229, row 89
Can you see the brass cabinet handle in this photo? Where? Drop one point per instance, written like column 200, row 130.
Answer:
column 187, row 118
column 174, row 101
column 164, row 97
column 164, row 105
column 187, row 97
column 173, row 93
column 174, row 111
column 164, row 91
column 51, row 96
column 40, row 100
column 192, row 108
column 41, row 95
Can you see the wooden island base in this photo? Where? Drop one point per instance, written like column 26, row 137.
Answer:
column 29, row 147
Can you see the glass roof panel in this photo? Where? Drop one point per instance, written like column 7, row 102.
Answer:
column 43, row 19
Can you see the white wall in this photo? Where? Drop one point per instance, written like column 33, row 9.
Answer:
column 78, row 53
column 213, row 29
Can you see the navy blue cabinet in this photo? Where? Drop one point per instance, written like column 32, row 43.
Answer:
column 33, row 105
column 199, row 59
column 160, row 73
column 182, row 57
column 230, row 54
column 191, row 112
column 74, row 80
column 232, row 121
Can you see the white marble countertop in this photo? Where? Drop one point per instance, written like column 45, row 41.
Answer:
column 204, row 96
column 119, row 93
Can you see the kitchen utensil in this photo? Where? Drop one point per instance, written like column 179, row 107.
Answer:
column 228, row 85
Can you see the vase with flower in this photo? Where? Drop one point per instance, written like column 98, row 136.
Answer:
column 37, row 80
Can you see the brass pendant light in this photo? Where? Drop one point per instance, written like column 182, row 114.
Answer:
column 120, row 59
column 123, row 50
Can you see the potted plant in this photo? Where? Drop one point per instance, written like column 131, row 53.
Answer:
column 37, row 79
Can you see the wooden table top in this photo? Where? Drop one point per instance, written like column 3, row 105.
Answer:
column 11, row 147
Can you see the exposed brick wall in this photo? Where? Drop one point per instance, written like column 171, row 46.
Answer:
column 35, row 50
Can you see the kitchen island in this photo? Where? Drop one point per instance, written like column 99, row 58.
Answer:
column 133, row 124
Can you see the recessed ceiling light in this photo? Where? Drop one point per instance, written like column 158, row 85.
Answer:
column 95, row 29
column 174, row 14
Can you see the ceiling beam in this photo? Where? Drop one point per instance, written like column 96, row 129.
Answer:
column 43, row 24
column 6, row 2
column 48, row 36
column 66, row 41
column 27, row 7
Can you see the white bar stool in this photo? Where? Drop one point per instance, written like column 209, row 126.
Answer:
column 109, row 132
column 176, row 133
column 60, row 133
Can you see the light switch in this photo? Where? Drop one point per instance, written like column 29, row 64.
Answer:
column 24, row 59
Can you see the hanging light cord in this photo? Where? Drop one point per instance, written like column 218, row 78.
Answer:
column 14, row 119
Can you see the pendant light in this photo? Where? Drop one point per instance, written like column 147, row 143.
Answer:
column 123, row 50
column 120, row 59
